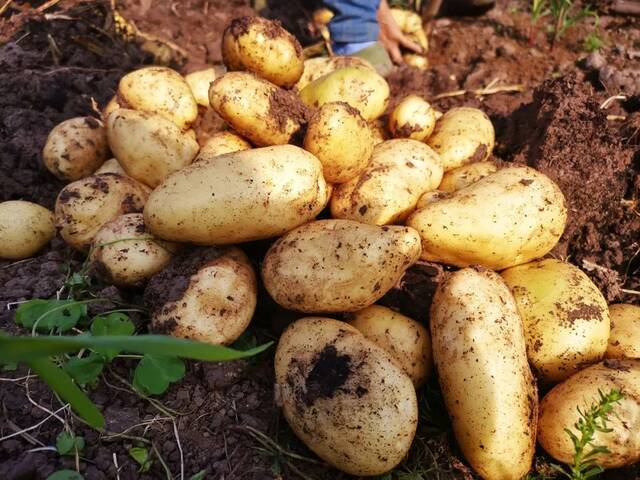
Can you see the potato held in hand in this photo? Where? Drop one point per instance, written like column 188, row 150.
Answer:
column 25, row 228
column 413, row 118
column 624, row 341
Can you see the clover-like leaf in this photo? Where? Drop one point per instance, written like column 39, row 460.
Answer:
column 86, row 369
column 154, row 373
column 116, row 323
column 48, row 315
column 67, row 443
column 141, row 455
column 65, row 475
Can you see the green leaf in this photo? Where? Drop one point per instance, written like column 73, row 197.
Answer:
column 141, row 455
column 198, row 476
column 154, row 373
column 113, row 324
column 9, row 366
column 48, row 315
column 67, row 443
column 85, row 370
column 65, row 475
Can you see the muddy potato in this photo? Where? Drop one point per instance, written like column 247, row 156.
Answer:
column 399, row 172
column 344, row 396
column 480, row 354
column 464, row 176
column 624, row 340
column 222, row 142
column 413, row 118
column 406, row 340
column 510, row 217
column 25, row 228
column 559, row 411
column 462, row 135
column 75, row 148
column 200, row 81
column 378, row 132
column 315, row 68
column 110, row 166
column 337, row 265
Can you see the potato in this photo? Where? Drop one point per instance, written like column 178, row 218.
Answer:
column 257, row 109
column 200, row 81
column 238, row 197
column 149, row 147
column 159, row 90
column 428, row 198
column 340, row 138
column 263, row 47
column 110, row 166
column 408, row 21
column 344, row 396
column 462, row 135
column 559, row 411
column 207, row 294
column 399, row 172
column 566, row 319
column 75, row 148
column 337, row 265
column 464, row 176
column 315, row 68
column 110, row 107
column 624, row 341
column 480, row 355
column 361, row 88
column 84, row 206
column 509, row 217
column 25, row 228
column 406, row 340
column 124, row 254
column 378, row 132
column 221, row 143
column 412, row 118
column 416, row 61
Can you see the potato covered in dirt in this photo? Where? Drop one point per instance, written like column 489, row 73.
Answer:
column 205, row 294
column 624, row 340
column 222, row 142
column 263, row 47
column 510, row 217
column 399, row 172
column 315, row 68
column 75, row 148
column 559, row 410
column 337, row 265
column 25, row 228
column 111, row 166
column 344, row 396
column 413, row 118
column 200, row 81
column 464, row 176
column 479, row 351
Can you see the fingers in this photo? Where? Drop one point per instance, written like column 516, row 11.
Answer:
column 394, row 52
column 409, row 44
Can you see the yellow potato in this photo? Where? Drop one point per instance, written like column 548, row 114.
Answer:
column 428, row 198
column 378, row 132
column 344, row 396
column 480, row 355
column 110, row 107
column 415, row 60
column 464, row 176
column 25, row 228
column 200, row 81
column 222, row 142
column 337, row 265
column 315, row 68
column 413, row 118
column 624, row 341
column 110, row 166
column 399, row 172
column 510, row 217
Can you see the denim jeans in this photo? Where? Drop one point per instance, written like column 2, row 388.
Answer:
column 354, row 22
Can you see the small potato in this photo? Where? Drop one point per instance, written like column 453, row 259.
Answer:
column 75, row 148
column 84, row 206
column 462, row 135
column 341, row 139
column 205, row 294
column 200, row 81
column 159, row 90
column 510, row 217
column 344, row 396
column 124, row 254
column 559, row 412
column 387, row 191
column 464, row 176
column 406, row 340
column 565, row 317
column 479, row 351
column 361, row 88
column 428, row 198
column 416, row 61
column 110, row 107
column 222, row 142
column 315, row 68
column 110, row 166
column 624, row 341
column 257, row 109
column 25, row 228
column 263, row 47
column 149, row 147
column 337, row 265
column 413, row 118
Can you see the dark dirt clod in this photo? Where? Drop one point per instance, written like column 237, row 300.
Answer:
column 285, row 105
column 329, row 373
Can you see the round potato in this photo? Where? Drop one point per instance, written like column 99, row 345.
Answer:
column 263, row 47
column 428, row 198
column 387, row 191
column 75, row 148
column 413, row 118
column 416, row 61
column 510, row 217
column 464, row 176
column 25, row 228
column 110, row 166
column 341, row 139
column 317, row 67
column 222, row 142
column 337, row 265
column 624, row 340
column 200, row 81
column 462, row 135
column 344, row 396
column 559, row 411
column 406, row 340
column 480, row 355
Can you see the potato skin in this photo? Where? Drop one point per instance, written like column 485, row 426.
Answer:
column 25, row 228
column 344, row 396
column 356, row 264
column 315, row 68
column 461, row 177
column 238, row 197
column 480, row 354
column 624, row 340
column 387, row 191
column 558, row 410
column 111, row 166
column 413, row 118
column 222, row 142
column 507, row 218
column 565, row 317
column 199, row 82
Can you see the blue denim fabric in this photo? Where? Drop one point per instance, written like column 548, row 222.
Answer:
column 350, row 48
column 354, row 21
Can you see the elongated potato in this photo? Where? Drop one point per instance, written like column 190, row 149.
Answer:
column 624, row 341
column 238, row 197
column 507, row 218
column 356, row 264
column 464, row 176
column 111, row 166
column 222, row 142
column 559, row 411
column 480, row 354
column 315, row 68
column 344, row 396
column 200, row 81
column 413, row 118
column 25, row 228
column 399, row 172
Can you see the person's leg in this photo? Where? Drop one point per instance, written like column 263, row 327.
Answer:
column 354, row 25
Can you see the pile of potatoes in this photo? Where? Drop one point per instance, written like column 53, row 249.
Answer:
column 303, row 137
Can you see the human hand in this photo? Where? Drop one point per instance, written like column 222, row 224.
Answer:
column 391, row 35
